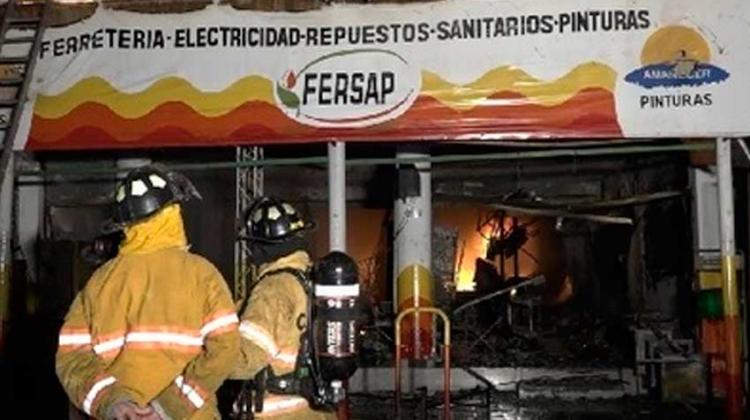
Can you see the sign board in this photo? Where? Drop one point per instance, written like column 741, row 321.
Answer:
column 448, row 70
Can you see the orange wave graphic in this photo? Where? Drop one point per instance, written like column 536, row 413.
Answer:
column 588, row 113
column 258, row 88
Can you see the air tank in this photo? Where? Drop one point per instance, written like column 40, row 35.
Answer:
column 336, row 327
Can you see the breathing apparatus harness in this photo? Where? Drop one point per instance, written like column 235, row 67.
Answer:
column 330, row 332
column 328, row 344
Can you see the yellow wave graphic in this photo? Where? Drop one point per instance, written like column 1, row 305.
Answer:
column 511, row 79
column 170, row 89
column 258, row 88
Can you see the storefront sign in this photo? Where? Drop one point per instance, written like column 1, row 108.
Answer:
column 448, row 70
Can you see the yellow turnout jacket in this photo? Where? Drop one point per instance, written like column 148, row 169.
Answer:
column 271, row 327
column 154, row 325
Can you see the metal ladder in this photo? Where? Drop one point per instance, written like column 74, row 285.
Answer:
column 21, row 33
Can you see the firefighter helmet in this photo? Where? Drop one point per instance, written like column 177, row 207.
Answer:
column 144, row 192
column 271, row 220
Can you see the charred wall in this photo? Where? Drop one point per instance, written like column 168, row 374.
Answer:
column 607, row 271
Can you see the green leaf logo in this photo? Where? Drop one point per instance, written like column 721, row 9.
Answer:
column 284, row 90
column 287, row 97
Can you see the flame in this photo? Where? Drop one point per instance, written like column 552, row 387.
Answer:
column 465, row 280
column 473, row 245
column 565, row 292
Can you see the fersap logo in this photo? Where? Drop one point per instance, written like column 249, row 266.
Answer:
column 354, row 88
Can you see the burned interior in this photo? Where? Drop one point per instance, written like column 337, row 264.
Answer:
column 354, row 209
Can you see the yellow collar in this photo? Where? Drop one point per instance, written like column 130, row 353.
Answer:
column 163, row 230
column 298, row 260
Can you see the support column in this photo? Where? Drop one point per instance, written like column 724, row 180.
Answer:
column 337, row 196
column 337, row 225
column 729, row 281
column 29, row 211
column 131, row 163
column 412, row 232
column 6, row 234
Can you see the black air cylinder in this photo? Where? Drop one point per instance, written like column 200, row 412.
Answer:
column 336, row 327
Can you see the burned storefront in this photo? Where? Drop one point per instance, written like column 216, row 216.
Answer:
column 539, row 200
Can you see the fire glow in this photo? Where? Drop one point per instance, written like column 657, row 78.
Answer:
column 473, row 244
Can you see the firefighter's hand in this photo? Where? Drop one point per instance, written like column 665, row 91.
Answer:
column 148, row 413
column 124, row 410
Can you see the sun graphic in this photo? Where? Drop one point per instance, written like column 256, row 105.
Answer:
column 675, row 42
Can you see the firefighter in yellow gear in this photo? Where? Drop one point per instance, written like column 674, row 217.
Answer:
column 274, row 317
column 154, row 332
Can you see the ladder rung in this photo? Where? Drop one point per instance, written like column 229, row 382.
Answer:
column 11, row 81
column 19, row 40
column 14, row 60
column 4, row 126
column 23, row 26
column 24, row 20
column 8, row 103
